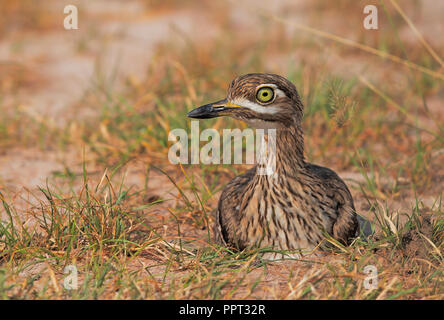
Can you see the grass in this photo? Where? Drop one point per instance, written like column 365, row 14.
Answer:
column 151, row 239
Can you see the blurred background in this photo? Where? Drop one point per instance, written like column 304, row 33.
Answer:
column 133, row 69
column 102, row 99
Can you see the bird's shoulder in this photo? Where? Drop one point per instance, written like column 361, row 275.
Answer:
column 322, row 172
column 333, row 184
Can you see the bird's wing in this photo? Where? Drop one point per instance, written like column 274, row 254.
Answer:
column 346, row 226
column 217, row 230
column 227, row 213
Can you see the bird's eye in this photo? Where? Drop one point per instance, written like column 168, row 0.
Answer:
column 265, row 95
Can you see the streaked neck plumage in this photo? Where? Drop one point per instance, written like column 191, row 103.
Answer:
column 283, row 151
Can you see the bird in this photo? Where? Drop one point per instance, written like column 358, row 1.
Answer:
column 295, row 208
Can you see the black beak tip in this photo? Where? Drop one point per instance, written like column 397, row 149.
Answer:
column 204, row 112
column 195, row 114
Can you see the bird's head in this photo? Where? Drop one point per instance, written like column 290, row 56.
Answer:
column 262, row 100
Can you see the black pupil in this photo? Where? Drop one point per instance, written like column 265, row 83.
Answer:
column 265, row 94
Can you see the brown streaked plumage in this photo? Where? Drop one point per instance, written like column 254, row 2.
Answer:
column 293, row 208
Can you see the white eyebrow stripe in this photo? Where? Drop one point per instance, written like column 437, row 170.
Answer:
column 255, row 106
column 277, row 92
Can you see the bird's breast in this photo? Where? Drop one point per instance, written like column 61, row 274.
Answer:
column 272, row 215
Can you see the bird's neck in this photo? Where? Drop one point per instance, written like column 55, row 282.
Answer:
column 283, row 151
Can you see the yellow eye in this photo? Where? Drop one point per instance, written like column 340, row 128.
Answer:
column 265, row 95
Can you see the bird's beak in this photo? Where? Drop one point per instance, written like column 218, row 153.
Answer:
column 213, row 110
